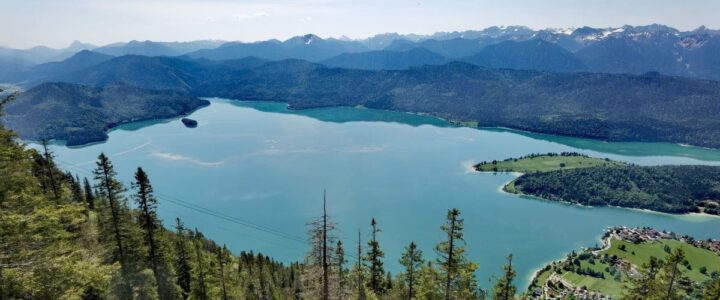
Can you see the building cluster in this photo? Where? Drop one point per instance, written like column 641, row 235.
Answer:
column 646, row 234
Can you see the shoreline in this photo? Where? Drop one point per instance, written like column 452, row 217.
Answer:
column 460, row 124
column 449, row 122
column 118, row 126
column 643, row 210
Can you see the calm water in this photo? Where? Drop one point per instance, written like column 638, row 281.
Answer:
column 260, row 163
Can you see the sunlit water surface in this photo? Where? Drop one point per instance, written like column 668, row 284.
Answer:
column 265, row 165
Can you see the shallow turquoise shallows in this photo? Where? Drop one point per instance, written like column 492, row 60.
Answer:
column 266, row 166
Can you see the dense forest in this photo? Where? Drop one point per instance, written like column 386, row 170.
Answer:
column 66, row 238
column 614, row 107
column 672, row 189
column 80, row 114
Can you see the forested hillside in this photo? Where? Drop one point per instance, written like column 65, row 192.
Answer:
column 613, row 107
column 672, row 189
column 80, row 114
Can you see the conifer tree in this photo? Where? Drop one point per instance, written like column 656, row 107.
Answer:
column 459, row 280
column 89, row 195
column 221, row 258
column 49, row 164
column 112, row 190
column 147, row 202
column 76, row 189
column 317, row 272
column 671, row 277
column 359, row 269
column 504, row 288
column 645, row 283
column 182, row 259
column 374, row 257
column 200, row 291
column 412, row 261
column 340, row 268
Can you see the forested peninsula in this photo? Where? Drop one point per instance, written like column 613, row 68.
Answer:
column 576, row 178
column 80, row 114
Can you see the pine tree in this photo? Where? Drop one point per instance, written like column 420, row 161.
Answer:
column 221, row 258
column 112, row 190
column 645, row 283
column 504, row 288
column 317, row 271
column 76, row 189
column 325, row 260
column 50, row 171
column 359, row 269
column 374, row 257
column 148, row 221
column 182, row 259
column 200, row 291
column 459, row 279
column 89, row 195
column 340, row 266
column 671, row 277
column 412, row 261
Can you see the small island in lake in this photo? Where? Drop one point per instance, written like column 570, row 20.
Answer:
column 189, row 123
column 579, row 179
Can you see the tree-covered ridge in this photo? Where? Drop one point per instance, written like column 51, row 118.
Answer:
column 614, row 107
column 544, row 162
column 80, row 114
column 671, row 189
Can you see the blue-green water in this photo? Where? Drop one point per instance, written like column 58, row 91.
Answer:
column 258, row 162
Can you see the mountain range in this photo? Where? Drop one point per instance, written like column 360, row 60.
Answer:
column 616, row 107
column 626, row 49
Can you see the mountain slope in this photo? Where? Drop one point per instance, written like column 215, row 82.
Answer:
column 81, row 114
column 308, row 47
column 527, row 55
column 385, row 60
column 616, row 107
column 81, row 60
column 649, row 108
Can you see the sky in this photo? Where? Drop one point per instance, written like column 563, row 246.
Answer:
column 56, row 23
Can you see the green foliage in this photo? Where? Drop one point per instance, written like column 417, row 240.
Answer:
column 504, row 288
column 672, row 189
column 412, row 261
column 645, row 282
column 457, row 273
column 374, row 258
column 81, row 115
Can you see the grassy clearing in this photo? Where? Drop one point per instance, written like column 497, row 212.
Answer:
column 695, row 256
column 638, row 254
column 544, row 163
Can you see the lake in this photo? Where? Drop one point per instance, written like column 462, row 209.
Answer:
column 265, row 168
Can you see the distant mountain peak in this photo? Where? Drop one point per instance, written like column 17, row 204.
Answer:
column 304, row 39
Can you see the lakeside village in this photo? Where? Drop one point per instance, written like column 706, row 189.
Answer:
column 550, row 283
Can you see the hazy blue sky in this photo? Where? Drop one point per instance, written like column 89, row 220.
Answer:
column 56, row 23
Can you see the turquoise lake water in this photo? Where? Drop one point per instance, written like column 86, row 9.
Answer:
column 265, row 165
